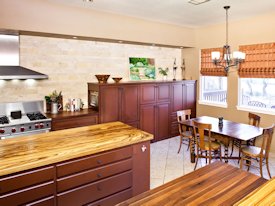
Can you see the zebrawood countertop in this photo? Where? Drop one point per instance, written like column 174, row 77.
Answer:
column 214, row 184
column 22, row 153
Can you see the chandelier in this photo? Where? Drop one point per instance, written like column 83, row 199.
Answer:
column 227, row 60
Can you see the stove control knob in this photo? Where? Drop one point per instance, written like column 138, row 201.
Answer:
column 41, row 125
column 2, row 131
column 13, row 130
column 22, row 129
column 36, row 126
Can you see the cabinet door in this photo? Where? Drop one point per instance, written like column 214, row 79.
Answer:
column 177, row 92
column 130, row 103
column 163, row 121
column 109, row 104
column 191, row 98
column 163, row 93
column 147, row 93
column 147, row 118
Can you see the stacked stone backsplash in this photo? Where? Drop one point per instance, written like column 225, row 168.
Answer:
column 70, row 64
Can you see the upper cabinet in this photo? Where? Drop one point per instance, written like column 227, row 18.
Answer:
column 150, row 106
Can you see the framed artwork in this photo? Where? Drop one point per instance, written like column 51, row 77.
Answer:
column 142, row 68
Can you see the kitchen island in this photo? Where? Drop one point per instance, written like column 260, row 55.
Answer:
column 100, row 164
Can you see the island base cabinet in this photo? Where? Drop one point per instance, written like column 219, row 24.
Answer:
column 105, row 179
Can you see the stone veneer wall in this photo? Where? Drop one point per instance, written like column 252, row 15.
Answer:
column 70, row 64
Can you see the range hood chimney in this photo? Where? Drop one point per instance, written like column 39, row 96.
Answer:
column 9, row 60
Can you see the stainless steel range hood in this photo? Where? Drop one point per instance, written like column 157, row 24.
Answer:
column 9, row 60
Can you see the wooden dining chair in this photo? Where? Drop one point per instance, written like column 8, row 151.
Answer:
column 262, row 153
column 185, row 135
column 254, row 120
column 204, row 142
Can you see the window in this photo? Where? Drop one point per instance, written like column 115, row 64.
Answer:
column 257, row 93
column 213, row 90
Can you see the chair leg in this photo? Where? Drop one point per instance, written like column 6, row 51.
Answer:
column 181, row 139
column 248, row 166
column 241, row 163
column 210, row 157
column 196, row 160
column 189, row 143
column 221, row 154
column 261, row 166
column 267, row 167
column 232, row 149
column 239, row 154
column 206, row 157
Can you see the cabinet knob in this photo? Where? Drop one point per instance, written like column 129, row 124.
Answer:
column 99, row 161
column 99, row 175
column 143, row 148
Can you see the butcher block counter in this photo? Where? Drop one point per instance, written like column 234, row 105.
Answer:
column 65, row 167
column 214, row 184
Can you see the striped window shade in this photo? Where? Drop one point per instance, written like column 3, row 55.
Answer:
column 259, row 61
column 207, row 66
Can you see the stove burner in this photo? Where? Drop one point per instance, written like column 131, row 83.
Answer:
column 36, row 116
column 4, row 120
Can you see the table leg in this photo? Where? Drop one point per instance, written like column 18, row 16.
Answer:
column 192, row 150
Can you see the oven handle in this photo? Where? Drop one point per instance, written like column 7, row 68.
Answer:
column 26, row 133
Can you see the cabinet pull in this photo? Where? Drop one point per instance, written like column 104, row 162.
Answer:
column 99, row 161
column 99, row 175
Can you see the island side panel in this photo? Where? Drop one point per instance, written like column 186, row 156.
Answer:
column 141, row 167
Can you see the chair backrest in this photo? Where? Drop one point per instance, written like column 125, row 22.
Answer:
column 181, row 116
column 200, row 129
column 254, row 119
column 267, row 139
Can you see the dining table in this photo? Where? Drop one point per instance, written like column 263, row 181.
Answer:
column 224, row 131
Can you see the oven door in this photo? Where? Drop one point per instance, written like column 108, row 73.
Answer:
column 26, row 133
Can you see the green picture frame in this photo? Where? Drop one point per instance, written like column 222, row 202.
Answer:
column 142, row 68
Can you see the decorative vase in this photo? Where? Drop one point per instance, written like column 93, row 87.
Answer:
column 164, row 77
column 55, row 107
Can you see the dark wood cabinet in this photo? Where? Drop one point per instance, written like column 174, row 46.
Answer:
column 116, row 102
column 183, row 97
column 150, row 106
column 106, row 179
column 67, row 119
column 162, row 121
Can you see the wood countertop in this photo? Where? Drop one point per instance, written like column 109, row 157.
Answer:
column 214, row 184
column 23, row 153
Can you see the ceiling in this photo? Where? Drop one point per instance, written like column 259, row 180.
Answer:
column 179, row 12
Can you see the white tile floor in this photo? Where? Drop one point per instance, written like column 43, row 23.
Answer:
column 167, row 164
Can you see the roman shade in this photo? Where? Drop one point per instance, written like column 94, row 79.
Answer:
column 259, row 61
column 207, row 66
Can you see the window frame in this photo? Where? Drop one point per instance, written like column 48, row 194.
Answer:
column 246, row 108
column 211, row 103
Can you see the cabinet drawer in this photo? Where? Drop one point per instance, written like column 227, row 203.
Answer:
column 25, row 179
column 66, row 123
column 49, row 201
column 94, row 191
column 89, row 176
column 28, row 195
column 113, row 199
column 93, row 161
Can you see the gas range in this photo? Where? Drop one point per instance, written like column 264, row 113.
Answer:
column 23, row 118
